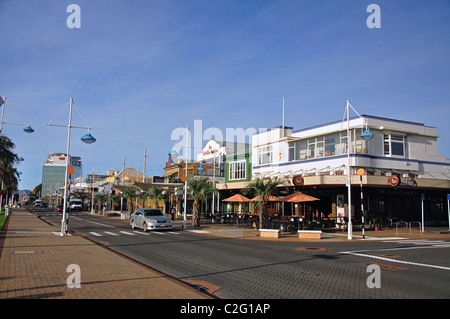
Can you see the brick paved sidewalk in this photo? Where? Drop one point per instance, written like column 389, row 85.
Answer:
column 34, row 261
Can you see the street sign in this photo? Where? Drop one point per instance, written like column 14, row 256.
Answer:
column 423, row 196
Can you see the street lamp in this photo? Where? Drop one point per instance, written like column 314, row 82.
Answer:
column 27, row 129
column 88, row 138
column 365, row 136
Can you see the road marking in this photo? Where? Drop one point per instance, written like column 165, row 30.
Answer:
column 397, row 261
column 430, row 245
column 198, row 231
column 417, row 242
column 172, row 232
column 110, row 233
column 141, row 233
column 93, row 222
column 158, row 233
column 95, row 234
column 127, row 233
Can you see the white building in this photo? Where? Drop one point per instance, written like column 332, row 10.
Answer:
column 401, row 162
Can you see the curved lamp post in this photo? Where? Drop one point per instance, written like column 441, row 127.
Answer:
column 88, row 139
column 365, row 136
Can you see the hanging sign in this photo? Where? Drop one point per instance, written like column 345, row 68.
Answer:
column 394, row 180
column 297, row 180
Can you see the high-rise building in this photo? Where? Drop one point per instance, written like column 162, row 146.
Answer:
column 54, row 169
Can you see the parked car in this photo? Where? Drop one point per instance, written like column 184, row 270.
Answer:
column 150, row 219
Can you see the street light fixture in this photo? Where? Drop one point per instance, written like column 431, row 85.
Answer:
column 365, row 136
column 27, row 129
column 88, row 139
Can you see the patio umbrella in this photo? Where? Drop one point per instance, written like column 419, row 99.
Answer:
column 298, row 197
column 238, row 198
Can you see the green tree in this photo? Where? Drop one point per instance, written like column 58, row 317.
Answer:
column 100, row 198
column 200, row 189
column 8, row 174
column 130, row 193
column 157, row 194
column 263, row 189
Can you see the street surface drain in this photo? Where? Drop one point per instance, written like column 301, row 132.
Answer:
column 202, row 285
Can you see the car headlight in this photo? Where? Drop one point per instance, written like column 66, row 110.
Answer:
column 153, row 221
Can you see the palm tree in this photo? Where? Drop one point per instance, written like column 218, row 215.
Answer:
column 157, row 194
column 100, row 199
column 263, row 189
column 8, row 174
column 129, row 194
column 199, row 188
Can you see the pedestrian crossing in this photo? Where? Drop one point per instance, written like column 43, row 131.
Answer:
column 130, row 233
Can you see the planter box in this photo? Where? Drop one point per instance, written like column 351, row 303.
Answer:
column 309, row 234
column 269, row 233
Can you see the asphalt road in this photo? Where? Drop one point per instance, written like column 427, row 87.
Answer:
column 245, row 269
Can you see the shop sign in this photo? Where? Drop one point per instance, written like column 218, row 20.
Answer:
column 297, row 180
column 394, row 180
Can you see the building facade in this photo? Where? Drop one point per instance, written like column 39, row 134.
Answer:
column 54, row 169
column 398, row 168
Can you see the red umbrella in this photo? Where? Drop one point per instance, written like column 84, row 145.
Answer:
column 298, row 197
column 237, row 198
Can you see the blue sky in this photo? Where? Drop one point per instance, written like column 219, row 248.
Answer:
column 137, row 70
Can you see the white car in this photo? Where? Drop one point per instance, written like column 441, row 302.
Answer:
column 75, row 204
column 150, row 219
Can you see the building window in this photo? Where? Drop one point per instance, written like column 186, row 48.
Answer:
column 317, row 147
column 265, row 155
column 238, row 170
column 394, row 145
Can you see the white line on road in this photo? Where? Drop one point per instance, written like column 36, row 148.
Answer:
column 141, row 233
column 110, row 233
column 92, row 222
column 127, row 233
column 95, row 234
column 358, row 253
column 399, row 261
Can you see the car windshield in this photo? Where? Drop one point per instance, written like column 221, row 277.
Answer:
column 153, row 212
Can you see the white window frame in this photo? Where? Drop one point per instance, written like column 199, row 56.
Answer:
column 265, row 150
column 238, row 170
column 387, row 138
